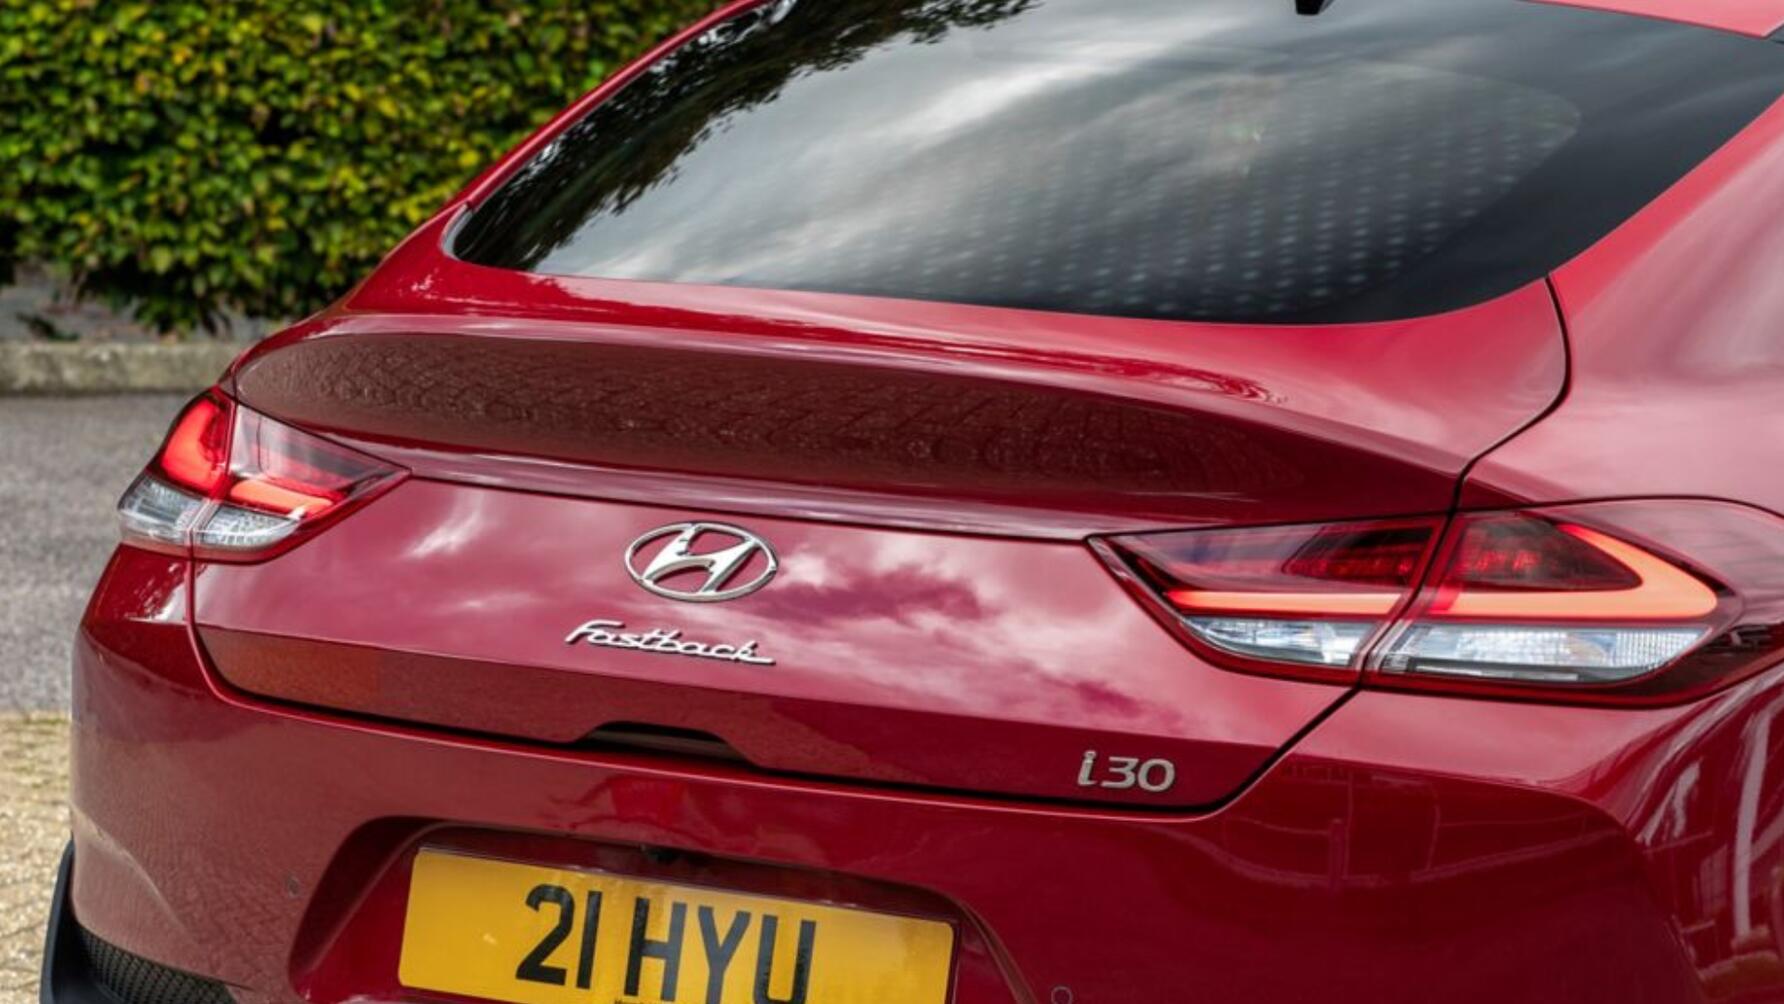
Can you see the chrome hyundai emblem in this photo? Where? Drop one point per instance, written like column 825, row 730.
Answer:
column 729, row 552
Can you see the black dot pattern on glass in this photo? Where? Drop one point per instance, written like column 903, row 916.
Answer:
column 1194, row 202
column 1217, row 195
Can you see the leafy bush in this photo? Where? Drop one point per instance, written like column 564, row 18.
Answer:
column 187, row 156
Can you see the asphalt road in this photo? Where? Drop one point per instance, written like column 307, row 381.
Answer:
column 63, row 464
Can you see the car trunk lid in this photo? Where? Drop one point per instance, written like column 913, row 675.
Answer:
column 937, row 619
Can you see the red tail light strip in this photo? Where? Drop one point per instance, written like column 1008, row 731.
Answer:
column 1661, row 592
column 1314, row 604
column 197, row 449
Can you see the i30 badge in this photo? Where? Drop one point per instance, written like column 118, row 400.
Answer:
column 735, row 562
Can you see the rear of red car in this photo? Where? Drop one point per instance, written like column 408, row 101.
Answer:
column 908, row 503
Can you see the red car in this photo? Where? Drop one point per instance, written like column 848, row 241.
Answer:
column 996, row 502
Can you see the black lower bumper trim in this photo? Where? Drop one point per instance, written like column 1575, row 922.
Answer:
column 81, row 968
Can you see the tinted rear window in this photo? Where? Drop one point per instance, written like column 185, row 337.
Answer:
column 1216, row 160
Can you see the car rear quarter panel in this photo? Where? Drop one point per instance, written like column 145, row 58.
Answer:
column 1676, row 384
column 1676, row 327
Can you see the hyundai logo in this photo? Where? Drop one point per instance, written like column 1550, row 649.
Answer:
column 727, row 554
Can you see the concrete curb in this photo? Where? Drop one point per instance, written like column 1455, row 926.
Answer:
column 111, row 367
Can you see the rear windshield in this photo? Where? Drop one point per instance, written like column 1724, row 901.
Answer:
column 1228, row 160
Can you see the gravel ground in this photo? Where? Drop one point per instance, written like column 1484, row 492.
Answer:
column 33, row 830
column 63, row 463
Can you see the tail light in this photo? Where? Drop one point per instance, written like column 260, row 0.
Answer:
column 1638, row 602
column 230, row 484
column 1298, row 598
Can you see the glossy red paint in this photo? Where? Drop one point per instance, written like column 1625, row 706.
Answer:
column 899, row 657
column 1404, row 851
column 1747, row 17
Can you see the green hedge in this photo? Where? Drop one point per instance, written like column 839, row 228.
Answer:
column 186, row 156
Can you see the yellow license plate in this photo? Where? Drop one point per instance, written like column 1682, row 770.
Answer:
column 512, row 932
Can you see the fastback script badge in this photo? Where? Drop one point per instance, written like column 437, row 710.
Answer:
column 662, row 641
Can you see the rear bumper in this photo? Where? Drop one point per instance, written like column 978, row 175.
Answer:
column 1409, row 849
column 79, row 968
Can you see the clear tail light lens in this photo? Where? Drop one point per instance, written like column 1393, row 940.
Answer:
column 230, row 484
column 1590, row 654
column 1626, row 602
